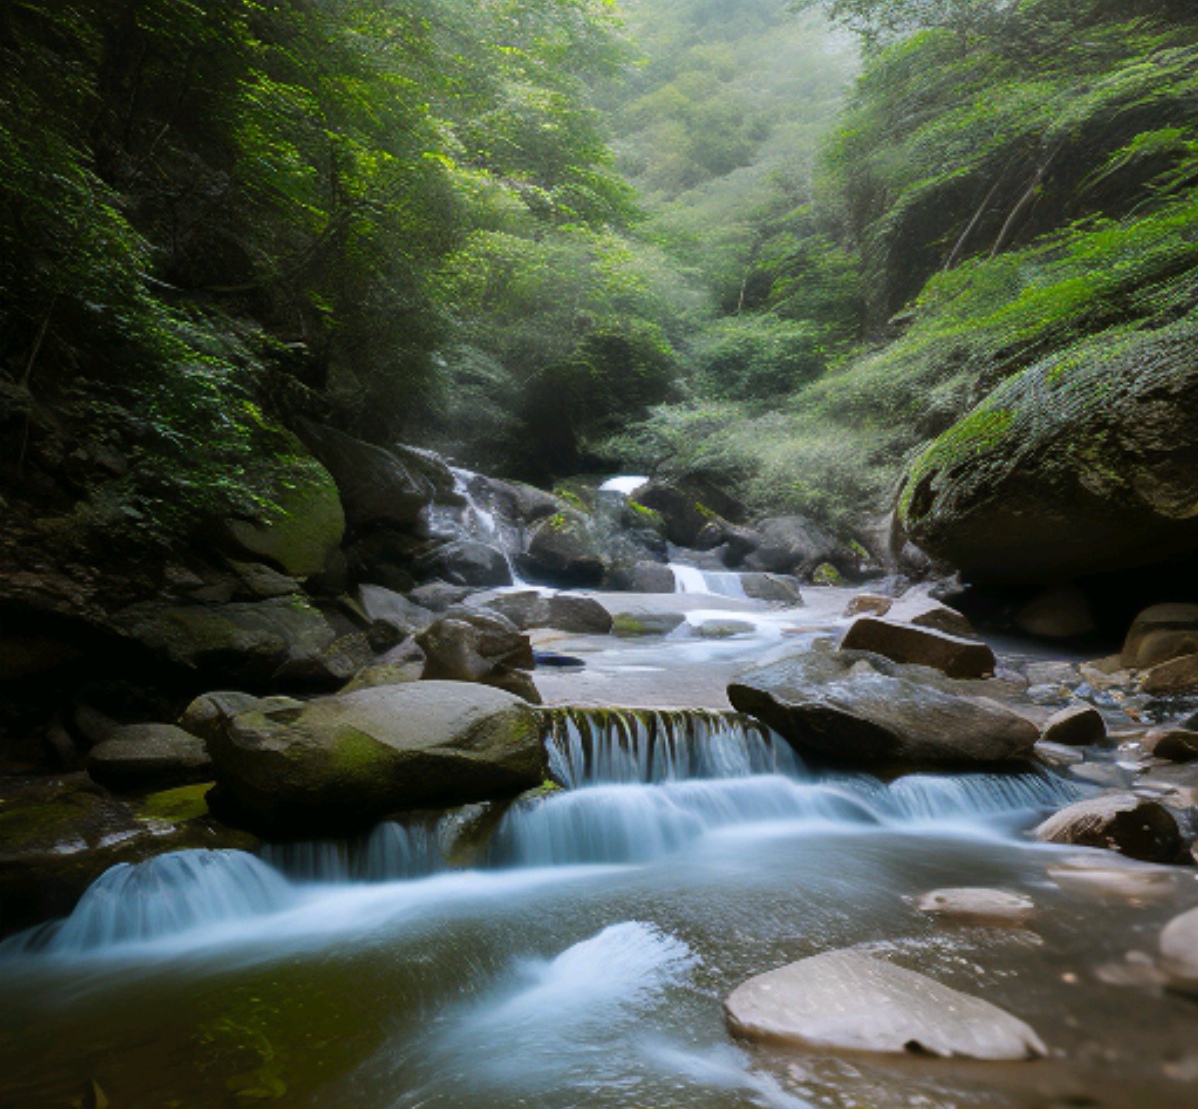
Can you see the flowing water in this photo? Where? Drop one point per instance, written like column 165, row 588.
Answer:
column 583, row 959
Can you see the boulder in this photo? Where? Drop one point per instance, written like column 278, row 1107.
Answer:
column 1076, row 726
column 432, row 469
column 637, row 623
column 850, row 1001
column 684, row 517
column 330, row 667
column 868, row 604
column 1161, row 633
column 207, row 714
column 641, row 577
column 950, row 654
column 1059, row 757
column 777, row 589
column 867, row 711
column 438, row 596
column 468, row 562
column 563, row 611
column 1179, row 953
column 304, row 530
column 259, row 582
column 242, row 643
column 1123, row 822
column 971, row 905
column 149, row 756
column 723, row 627
column 1063, row 612
column 1068, row 470
column 340, row 763
column 402, row 664
column 795, row 545
column 381, row 605
column 1174, row 678
column 475, row 646
column 563, row 550
column 1173, row 744
column 524, row 502
column 376, row 488
column 922, row 611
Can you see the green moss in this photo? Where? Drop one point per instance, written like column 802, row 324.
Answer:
column 649, row 514
column 827, row 574
column 174, row 805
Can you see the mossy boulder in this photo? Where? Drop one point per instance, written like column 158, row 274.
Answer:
column 340, row 763
column 300, row 535
column 563, row 550
column 1083, row 463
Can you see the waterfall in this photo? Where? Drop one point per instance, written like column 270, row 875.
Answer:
column 477, row 518
column 391, row 851
column 719, row 583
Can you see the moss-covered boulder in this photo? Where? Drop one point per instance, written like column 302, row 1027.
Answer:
column 340, row 763
column 563, row 550
column 1084, row 463
column 302, row 532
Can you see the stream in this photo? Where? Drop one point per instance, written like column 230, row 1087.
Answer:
column 580, row 956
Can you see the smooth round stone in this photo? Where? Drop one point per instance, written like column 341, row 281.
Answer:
column 850, row 1001
column 971, row 905
column 1113, row 877
column 1179, row 953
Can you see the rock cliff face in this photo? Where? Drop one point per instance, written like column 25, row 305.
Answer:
column 1082, row 464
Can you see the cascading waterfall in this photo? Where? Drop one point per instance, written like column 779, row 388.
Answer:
column 717, row 583
column 477, row 518
column 639, row 785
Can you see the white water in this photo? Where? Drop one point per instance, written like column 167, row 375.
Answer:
column 719, row 583
column 626, row 485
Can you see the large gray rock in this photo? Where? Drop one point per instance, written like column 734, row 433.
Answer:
column 1179, row 953
column 522, row 502
column 684, row 517
column 240, row 644
column 1066, row 471
column 563, row 550
column 149, row 756
column 1123, row 822
column 866, row 710
column 479, row 646
column 923, row 611
column 950, row 654
column 563, row 611
column 795, row 545
column 208, row 713
column 382, row 605
column 340, row 763
column 778, row 589
column 641, row 577
column 376, row 488
column 850, row 1001
column 468, row 562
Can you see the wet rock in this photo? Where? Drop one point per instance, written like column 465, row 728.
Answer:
column 329, row 667
column 376, row 488
column 149, row 756
column 1179, row 953
column 381, row 605
column 1174, row 678
column 303, row 534
column 242, row 644
column 438, row 596
column 1173, row 744
column 208, row 713
column 926, row 612
column 1057, row 756
column 1076, row 726
column 524, row 502
column 1063, row 612
column 684, row 517
column 468, row 562
column 637, row 623
column 430, row 467
column 641, row 577
column 868, row 604
column 258, row 582
column 868, row 711
column 971, row 905
column 778, row 589
column 402, row 664
column 563, row 611
column 1105, row 674
column 1060, row 674
column 340, row 763
column 1109, row 876
column 1161, row 633
column 477, row 646
column 723, row 628
column 950, row 654
column 795, row 545
column 562, row 550
column 849, row 1001
column 1123, row 822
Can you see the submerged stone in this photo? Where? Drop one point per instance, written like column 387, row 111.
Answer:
column 978, row 906
column 850, row 1001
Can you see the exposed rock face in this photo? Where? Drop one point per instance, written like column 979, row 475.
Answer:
column 970, row 905
column 1064, row 472
column 243, row 644
column 1161, row 633
column 468, row 562
column 376, row 488
column 1076, row 726
column 1179, row 953
column 950, row 654
column 478, row 646
column 342, row 762
column 563, row 550
column 563, row 611
column 794, row 545
column 849, row 1001
column 1123, row 822
column 301, row 538
column 867, row 711
column 149, row 756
